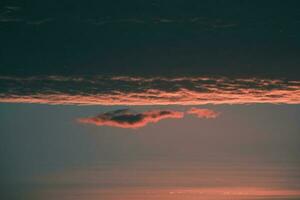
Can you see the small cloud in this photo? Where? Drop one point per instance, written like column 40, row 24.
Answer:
column 203, row 113
column 127, row 119
column 39, row 21
column 14, row 8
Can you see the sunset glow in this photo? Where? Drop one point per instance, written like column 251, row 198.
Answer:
column 150, row 91
column 149, row 100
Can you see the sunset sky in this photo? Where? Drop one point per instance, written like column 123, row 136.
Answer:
column 149, row 99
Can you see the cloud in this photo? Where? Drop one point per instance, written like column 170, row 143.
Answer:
column 203, row 113
column 127, row 119
column 124, row 90
column 206, row 24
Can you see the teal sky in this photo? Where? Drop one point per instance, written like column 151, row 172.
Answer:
column 41, row 142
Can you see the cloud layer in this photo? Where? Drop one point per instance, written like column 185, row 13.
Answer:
column 98, row 90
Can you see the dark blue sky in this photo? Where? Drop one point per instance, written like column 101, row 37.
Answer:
column 155, row 37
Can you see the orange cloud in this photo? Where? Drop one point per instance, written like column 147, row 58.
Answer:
column 126, row 119
column 203, row 113
column 99, row 90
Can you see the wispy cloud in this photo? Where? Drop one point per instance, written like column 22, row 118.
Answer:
column 203, row 113
column 98, row 90
column 127, row 119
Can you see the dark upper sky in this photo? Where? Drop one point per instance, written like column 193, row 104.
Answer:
column 150, row 37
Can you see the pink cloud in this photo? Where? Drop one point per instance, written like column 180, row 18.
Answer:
column 148, row 91
column 203, row 113
column 127, row 119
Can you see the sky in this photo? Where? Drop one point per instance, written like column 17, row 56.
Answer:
column 150, row 37
column 248, row 148
column 149, row 99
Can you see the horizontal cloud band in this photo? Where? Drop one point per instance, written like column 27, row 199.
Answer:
column 99, row 90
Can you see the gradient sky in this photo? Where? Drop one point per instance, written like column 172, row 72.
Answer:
column 149, row 99
column 246, row 148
